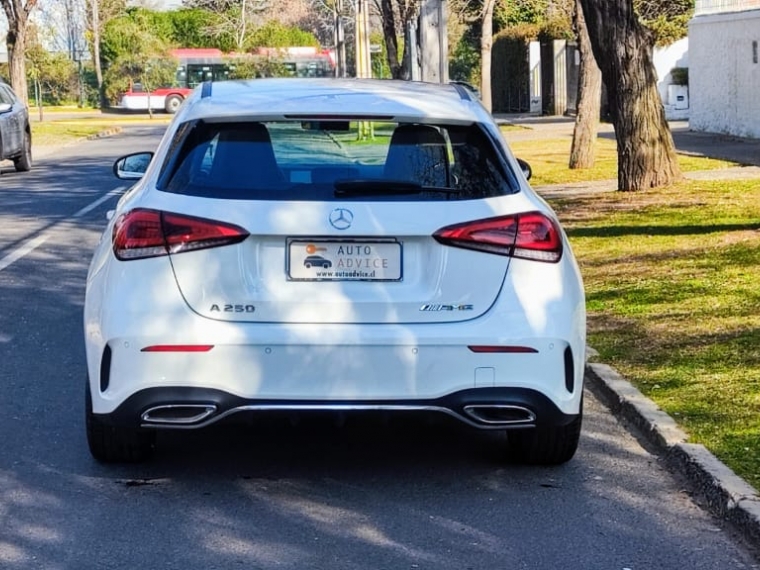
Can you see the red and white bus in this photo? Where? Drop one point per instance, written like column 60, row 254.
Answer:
column 196, row 65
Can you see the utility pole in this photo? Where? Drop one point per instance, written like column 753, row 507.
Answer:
column 363, row 64
column 414, row 64
column 340, row 42
column 433, row 41
column 94, row 4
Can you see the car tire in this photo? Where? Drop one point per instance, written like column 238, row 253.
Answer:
column 23, row 163
column 326, row 265
column 115, row 444
column 307, row 265
column 546, row 445
column 172, row 103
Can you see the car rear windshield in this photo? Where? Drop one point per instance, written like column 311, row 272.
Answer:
column 334, row 160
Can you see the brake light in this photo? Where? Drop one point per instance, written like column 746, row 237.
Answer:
column 530, row 235
column 142, row 233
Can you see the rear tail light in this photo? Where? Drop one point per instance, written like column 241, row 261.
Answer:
column 531, row 235
column 143, row 233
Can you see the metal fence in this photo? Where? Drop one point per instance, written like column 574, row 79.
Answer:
column 702, row 7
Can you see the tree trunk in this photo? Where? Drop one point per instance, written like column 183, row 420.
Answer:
column 583, row 149
column 486, row 42
column 391, row 38
column 240, row 39
column 96, row 51
column 409, row 60
column 17, row 62
column 623, row 49
column 17, row 16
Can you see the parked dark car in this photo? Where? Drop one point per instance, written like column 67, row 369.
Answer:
column 15, row 133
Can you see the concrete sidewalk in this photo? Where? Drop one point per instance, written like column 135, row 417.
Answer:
column 551, row 191
column 743, row 151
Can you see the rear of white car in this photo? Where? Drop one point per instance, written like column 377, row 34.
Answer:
column 333, row 245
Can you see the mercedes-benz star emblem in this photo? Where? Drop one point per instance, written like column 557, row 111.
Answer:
column 341, row 219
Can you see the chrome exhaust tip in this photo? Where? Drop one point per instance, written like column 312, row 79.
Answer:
column 500, row 414
column 178, row 414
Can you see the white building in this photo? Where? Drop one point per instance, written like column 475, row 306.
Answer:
column 565, row 70
column 724, row 72
column 675, row 98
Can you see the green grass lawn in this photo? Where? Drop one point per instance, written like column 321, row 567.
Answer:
column 62, row 132
column 672, row 280
column 58, row 131
column 548, row 158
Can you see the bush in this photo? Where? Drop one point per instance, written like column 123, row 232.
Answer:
column 52, row 77
column 151, row 72
column 249, row 67
column 464, row 64
column 274, row 34
column 679, row 76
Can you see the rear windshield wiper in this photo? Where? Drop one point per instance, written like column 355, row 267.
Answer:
column 377, row 187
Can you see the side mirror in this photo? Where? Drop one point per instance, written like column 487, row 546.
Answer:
column 525, row 167
column 132, row 166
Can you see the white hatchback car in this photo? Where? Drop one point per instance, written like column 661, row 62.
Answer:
column 333, row 245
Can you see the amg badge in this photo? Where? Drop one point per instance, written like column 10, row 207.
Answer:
column 435, row 308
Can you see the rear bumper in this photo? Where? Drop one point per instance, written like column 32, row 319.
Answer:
column 184, row 407
column 422, row 369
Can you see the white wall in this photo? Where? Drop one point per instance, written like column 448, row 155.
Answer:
column 724, row 83
column 665, row 59
column 534, row 63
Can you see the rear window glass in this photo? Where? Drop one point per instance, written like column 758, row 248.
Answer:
column 332, row 160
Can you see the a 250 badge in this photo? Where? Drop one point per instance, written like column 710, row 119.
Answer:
column 230, row 308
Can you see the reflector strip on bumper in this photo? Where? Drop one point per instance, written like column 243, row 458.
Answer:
column 509, row 349
column 178, row 348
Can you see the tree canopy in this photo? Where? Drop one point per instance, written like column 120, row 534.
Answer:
column 134, row 54
column 137, row 39
column 668, row 19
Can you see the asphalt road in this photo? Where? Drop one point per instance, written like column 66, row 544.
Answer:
column 270, row 495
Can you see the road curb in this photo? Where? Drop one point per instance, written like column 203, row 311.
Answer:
column 106, row 133
column 727, row 495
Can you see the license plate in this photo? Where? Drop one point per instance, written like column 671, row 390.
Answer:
column 344, row 260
